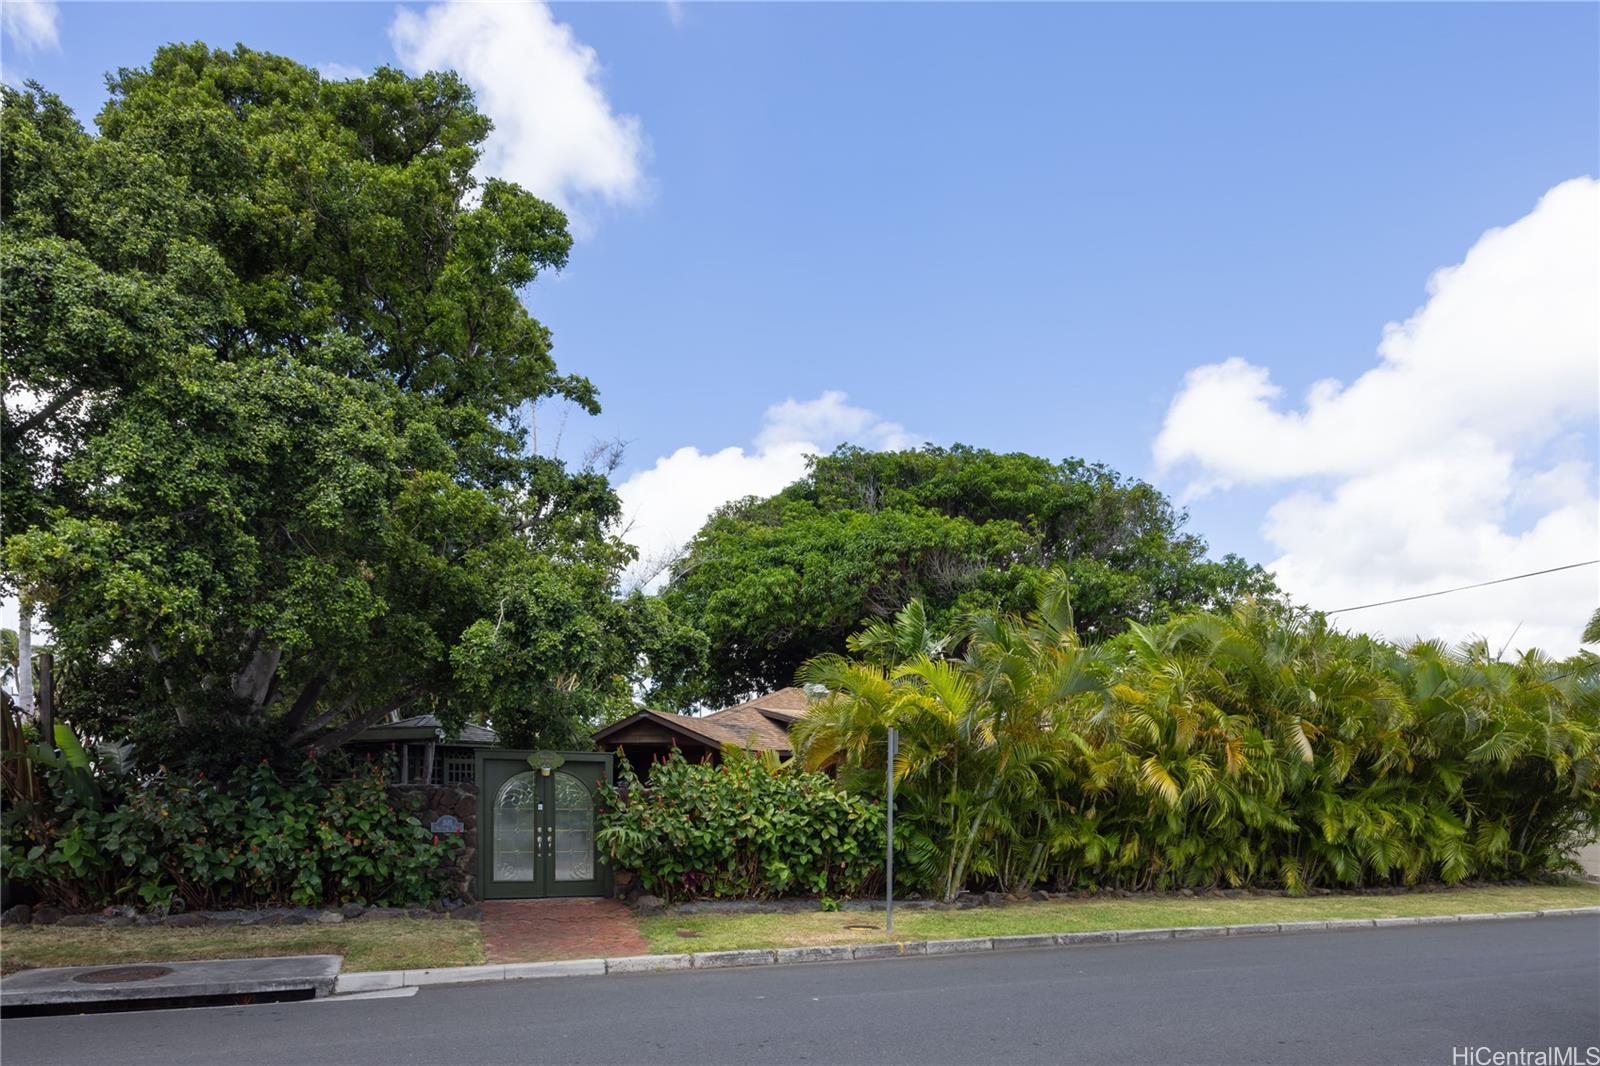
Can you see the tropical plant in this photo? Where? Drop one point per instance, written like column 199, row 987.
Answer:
column 1259, row 746
column 750, row 827
column 309, row 837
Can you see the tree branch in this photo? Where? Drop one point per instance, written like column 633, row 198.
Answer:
column 307, row 699
column 27, row 424
column 339, row 737
column 323, row 720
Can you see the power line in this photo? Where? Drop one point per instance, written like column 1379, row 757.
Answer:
column 1463, row 588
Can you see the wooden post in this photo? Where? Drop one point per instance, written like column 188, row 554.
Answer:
column 405, row 764
column 47, row 700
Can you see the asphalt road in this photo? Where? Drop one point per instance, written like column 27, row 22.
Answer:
column 1401, row 995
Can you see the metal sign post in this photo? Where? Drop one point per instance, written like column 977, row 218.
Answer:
column 888, row 885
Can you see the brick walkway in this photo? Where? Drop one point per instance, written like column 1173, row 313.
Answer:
column 533, row 930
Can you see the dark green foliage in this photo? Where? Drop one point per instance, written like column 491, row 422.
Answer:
column 306, row 838
column 1253, row 747
column 746, row 829
column 775, row 582
column 266, row 472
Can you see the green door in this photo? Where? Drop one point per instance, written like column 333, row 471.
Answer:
column 538, row 825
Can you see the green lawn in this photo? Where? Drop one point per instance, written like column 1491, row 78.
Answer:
column 734, row 931
column 393, row 944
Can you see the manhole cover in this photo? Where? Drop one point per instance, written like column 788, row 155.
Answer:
column 862, row 927
column 690, row 934
column 123, row 973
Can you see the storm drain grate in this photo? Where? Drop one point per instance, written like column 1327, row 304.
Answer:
column 119, row 974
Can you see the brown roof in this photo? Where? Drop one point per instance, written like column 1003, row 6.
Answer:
column 761, row 724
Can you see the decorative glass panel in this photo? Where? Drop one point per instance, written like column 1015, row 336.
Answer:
column 574, row 829
column 516, row 813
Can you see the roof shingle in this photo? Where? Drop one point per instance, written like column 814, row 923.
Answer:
column 761, row 724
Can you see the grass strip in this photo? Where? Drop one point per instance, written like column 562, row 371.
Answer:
column 392, row 944
column 732, row 932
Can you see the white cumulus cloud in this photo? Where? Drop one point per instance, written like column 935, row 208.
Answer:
column 31, row 23
column 1463, row 455
column 665, row 505
column 555, row 132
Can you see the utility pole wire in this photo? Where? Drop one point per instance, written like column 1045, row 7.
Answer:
column 1463, row 588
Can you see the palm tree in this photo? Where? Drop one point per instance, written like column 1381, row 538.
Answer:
column 1257, row 745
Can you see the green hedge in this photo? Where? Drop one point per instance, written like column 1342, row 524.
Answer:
column 745, row 829
column 307, row 838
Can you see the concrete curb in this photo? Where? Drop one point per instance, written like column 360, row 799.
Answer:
column 97, row 987
column 717, row 960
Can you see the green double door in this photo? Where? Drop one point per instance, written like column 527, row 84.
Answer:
column 536, row 825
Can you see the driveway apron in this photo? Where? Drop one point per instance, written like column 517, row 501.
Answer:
column 532, row 930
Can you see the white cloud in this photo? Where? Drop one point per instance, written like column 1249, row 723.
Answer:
column 555, row 132
column 829, row 418
column 1447, row 463
column 31, row 23
column 665, row 506
column 340, row 71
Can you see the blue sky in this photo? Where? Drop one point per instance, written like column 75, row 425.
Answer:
column 1021, row 227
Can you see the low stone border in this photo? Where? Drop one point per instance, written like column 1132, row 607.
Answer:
column 715, row 960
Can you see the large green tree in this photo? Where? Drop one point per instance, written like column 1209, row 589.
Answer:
column 266, row 374
column 773, row 582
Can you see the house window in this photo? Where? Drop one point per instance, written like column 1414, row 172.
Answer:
column 451, row 766
column 414, row 760
column 458, row 767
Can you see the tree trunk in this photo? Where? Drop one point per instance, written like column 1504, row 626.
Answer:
column 25, row 659
column 184, row 718
column 253, row 684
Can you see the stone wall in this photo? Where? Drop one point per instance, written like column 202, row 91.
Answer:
column 432, row 802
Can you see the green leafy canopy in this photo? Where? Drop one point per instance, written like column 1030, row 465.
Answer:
column 266, row 362
column 774, row 582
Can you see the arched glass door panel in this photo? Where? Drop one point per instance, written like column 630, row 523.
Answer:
column 574, row 829
column 516, row 822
